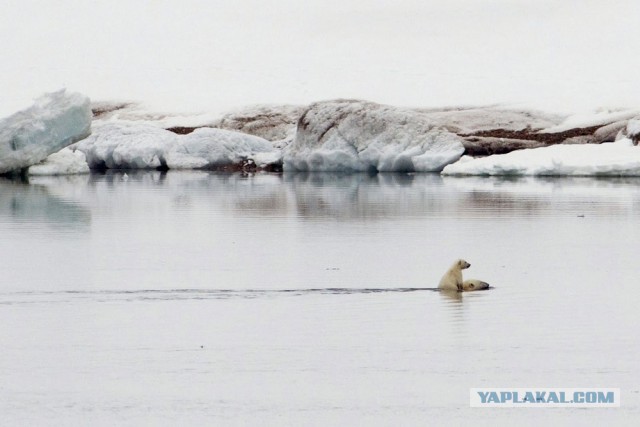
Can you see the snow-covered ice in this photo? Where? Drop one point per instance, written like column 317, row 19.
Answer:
column 64, row 162
column 127, row 146
column 469, row 120
column 271, row 122
column 208, row 148
column 331, row 136
column 140, row 113
column 53, row 122
column 346, row 135
column 619, row 158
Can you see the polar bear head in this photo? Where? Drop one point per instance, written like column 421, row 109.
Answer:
column 462, row 264
column 474, row 285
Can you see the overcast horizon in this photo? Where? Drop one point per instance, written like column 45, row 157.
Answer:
column 193, row 55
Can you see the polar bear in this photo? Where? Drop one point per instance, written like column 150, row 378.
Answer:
column 452, row 279
column 474, row 285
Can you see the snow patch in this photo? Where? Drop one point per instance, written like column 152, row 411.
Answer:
column 586, row 120
column 620, row 158
column 136, row 113
column 53, row 122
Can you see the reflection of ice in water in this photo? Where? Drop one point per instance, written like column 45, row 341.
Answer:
column 258, row 299
column 37, row 205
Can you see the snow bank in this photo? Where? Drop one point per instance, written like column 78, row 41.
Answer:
column 64, row 162
column 55, row 121
column 208, row 148
column 348, row 135
column 598, row 118
column 610, row 159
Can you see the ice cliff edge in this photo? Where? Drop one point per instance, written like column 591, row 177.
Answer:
column 54, row 121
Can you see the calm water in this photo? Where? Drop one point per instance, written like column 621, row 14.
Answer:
column 197, row 298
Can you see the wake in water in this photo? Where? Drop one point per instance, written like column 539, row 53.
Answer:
column 34, row 297
column 186, row 294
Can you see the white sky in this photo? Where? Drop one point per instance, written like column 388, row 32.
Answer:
column 571, row 55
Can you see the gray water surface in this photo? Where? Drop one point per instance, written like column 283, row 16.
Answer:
column 198, row 298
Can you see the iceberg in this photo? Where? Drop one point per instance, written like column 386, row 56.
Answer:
column 209, row 148
column 352, row 136
column 620, row 158
column 55, row 121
